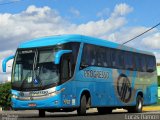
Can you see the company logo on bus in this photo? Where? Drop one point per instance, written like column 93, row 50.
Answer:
column 124, row 88
column 96, row 74
column 35, row 81
column 38, row 93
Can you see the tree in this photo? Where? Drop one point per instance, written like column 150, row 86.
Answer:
column 5, row 95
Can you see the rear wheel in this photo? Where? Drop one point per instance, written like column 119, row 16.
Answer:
column 42, row 113
column 82, row 108
column 138, row 107
column 104, row 110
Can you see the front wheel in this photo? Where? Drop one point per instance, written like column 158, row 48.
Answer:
column 82, row 108
column 42, row 113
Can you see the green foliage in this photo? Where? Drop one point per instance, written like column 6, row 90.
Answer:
column 5, row 95
column 159, row 81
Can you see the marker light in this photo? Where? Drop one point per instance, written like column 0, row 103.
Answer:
column 14, row 96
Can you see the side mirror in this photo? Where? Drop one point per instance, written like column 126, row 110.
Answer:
column 59, row 54
column 4, row 62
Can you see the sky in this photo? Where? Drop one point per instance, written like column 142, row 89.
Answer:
column 113, row 20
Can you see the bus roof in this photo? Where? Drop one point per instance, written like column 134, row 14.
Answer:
column 60, row 39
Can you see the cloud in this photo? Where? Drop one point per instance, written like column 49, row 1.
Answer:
column 152, row 41
column 34, row 22
column 75, row 12
column 127, row 33
column 105, row 26
column 122, row 9
column 103, row 13
column 43, row 21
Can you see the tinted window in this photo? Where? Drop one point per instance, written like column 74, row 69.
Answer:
column 120, row 59
column 128, row 60
column 89, row 56
column 113, row 58
column 75, row 48
column 108, row 58
column 151, row 66
column 137, row 62
column 95, row 56
column 103, row 56
column 66, row 72
column 143, row 63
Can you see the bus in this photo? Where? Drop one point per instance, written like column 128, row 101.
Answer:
column 77, row 72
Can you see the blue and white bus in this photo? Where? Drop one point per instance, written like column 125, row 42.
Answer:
column 76, row 72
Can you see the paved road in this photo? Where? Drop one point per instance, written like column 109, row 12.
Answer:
column 91, row 115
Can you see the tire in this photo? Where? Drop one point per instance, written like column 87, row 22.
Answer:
column 42, row 113
column 104, row 110
column 138, row 107
column 82, row 108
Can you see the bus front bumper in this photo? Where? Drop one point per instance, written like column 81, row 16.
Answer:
column 48, row 103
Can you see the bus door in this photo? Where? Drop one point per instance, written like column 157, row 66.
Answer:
column 66, row 73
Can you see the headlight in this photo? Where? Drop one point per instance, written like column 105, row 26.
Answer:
column 56, row 92
column 14, row 96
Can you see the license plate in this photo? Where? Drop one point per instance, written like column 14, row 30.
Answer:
column 32, row 105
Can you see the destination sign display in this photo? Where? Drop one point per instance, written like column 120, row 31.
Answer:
column 26, row 51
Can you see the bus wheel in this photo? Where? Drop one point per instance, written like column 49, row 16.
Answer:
column 42, row 113
column 139, row 104
column 82, row 108
column 138, row 107
column 104, row 110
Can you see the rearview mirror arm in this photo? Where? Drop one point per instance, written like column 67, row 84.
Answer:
column 4, row 63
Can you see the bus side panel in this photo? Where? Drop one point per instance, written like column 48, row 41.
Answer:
column 99, row 83
column 147, row 82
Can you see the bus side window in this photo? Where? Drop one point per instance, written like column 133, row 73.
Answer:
column 150, row 64
column 93, row 57
column 137, row 62
column 128, row 61
column 87, row 56
column 120, row 59
column 113, row 58
column 84, row 60
column 101, row 56
column 143, row 63
column 108, row 57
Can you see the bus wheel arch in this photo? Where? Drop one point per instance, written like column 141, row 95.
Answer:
column 139, row 104
column 140, row 93
column 88, row 97
column 84, row 102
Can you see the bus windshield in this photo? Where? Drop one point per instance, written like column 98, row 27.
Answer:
column 34, row 70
